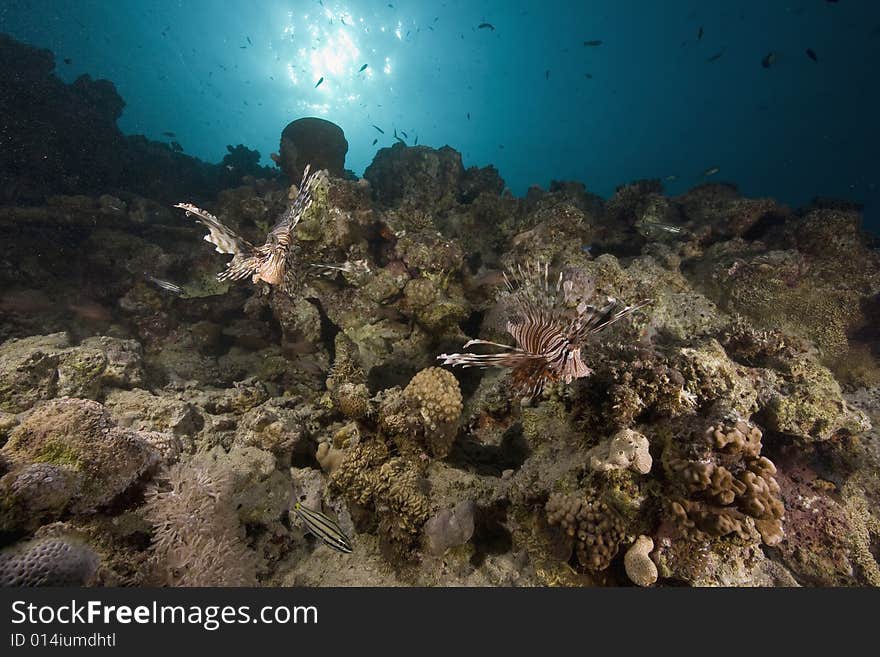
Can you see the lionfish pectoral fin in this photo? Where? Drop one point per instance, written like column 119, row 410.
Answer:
column 221, row 236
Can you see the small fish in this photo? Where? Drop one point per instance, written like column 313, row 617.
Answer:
column 547, row 74
column 769, row 60
column 378, row 128
column 318, row 83
column 669, row 228
column 171, row 135
column 417, row 140
column 593, row 43
column 671, row 178
column 68, row 60
column 363, row 68
column 486, row 26
column 812, row 54
column 405, row 136
column 375, row 140
column 469, row 116
column 400, row 140
column 700, row 33
column 715, row 57
column 165, row 285
column 712, row 171
column 249, row 41
column 589, row 76
column 176, row 147
column 320, row 526
column 243, row 47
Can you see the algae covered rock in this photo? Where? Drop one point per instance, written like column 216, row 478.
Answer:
column 79, row 438
column 45, row 366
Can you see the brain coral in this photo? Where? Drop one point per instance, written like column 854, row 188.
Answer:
column 55, row 561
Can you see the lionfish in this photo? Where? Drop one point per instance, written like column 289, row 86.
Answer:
column 551, row 322
column 262, row 263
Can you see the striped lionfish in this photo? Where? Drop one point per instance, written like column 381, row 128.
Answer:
column 550, row 323
column 262, row 263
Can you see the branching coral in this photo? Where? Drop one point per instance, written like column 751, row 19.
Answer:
column 390, row 487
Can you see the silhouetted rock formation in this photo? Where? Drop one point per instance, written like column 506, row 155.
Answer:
column 58, row 138
column 312, row 141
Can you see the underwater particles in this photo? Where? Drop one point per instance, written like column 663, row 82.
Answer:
column 549, row 334
column 268, row 262
column 321, row 526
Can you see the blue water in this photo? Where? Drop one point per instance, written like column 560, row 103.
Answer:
column 237, row 72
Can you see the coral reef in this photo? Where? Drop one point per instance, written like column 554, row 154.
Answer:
column 724, row 435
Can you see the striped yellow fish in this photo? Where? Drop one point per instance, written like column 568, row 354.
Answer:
column 322, row 527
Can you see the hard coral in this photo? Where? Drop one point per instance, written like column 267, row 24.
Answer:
column 596, row 529
column 625, row 449
column 640, row 568
column 435, row 398
column 730, row 488
column 52, row 561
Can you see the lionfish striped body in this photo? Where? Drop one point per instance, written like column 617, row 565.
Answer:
column 268, row 262
column 549, row 334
